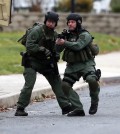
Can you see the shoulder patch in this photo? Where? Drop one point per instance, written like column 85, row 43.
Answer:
column 82, row 37
column 33, row 37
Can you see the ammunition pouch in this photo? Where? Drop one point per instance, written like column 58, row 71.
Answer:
column 76, row 56
column 89, row 52
column 25, row 60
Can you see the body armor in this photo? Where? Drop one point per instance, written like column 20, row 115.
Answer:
column 83, row 55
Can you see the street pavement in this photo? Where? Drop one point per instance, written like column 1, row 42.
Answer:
column 10, row 85
column 45, row 117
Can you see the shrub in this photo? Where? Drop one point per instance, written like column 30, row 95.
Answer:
column 115, row 5
column 80, row 5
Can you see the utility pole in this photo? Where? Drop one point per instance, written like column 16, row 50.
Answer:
column 72, row 6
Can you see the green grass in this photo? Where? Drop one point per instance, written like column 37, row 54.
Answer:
column 107, row 43
column 10, row 58
column 10, row 53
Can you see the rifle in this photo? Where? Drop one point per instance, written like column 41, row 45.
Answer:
column 54, row 64
column 64, row 35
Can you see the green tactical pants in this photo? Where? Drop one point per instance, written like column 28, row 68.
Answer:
column 70, row 78
column 72, row 95
column 30, row 78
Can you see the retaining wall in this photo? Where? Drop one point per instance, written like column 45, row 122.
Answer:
column 102, row 23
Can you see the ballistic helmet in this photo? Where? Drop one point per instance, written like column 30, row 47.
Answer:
column 76, row 17
column 52, row 16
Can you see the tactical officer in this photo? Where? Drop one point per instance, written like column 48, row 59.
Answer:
column 41, row 57
column 79, row 53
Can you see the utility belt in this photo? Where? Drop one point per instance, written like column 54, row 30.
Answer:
column 49, row 64
column 27, row 58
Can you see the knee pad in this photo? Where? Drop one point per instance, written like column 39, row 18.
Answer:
column 91, row 79
column 68, row 81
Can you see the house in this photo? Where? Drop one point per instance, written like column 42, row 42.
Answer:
column 44, row 5
column 48, row 5
column 101, row 6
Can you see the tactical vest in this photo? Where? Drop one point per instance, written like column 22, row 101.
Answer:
column 83, row 55
column 47, row 41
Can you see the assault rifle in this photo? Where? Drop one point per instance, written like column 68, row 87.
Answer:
column 64, row 35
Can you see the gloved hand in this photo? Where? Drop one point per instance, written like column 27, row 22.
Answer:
column 45, row 51
column 42, row 49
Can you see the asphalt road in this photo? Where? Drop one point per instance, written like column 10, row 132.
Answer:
column 45, row 117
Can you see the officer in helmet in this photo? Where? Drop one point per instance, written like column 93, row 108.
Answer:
column 79, row 53
column 41, row 57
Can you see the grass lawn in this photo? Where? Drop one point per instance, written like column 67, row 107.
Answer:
column 107, row 43
column 10, row 53
column 10, row 58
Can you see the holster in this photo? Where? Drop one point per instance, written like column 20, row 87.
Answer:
column 25, row 59
column 98, row 74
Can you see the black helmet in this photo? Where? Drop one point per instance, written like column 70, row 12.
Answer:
column 77, row 18
column 52, row 16
column 74, row 16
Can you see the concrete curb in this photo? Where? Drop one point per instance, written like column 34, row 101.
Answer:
column 115, row 79
column 11, row 99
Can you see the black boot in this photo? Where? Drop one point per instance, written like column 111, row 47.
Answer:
column 76, row 112
column 20, row 112
column 93, row 108
column 67, row 109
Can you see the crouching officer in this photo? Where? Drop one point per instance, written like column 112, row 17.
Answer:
column 41, row 57
column 79, row 53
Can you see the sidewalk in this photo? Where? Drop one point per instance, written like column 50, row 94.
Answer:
column 11, row 85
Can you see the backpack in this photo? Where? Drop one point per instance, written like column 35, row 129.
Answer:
column 93, row 47
column 23, row 39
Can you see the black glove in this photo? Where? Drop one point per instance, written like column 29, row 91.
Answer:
column 42, row 49
column 45, row 51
